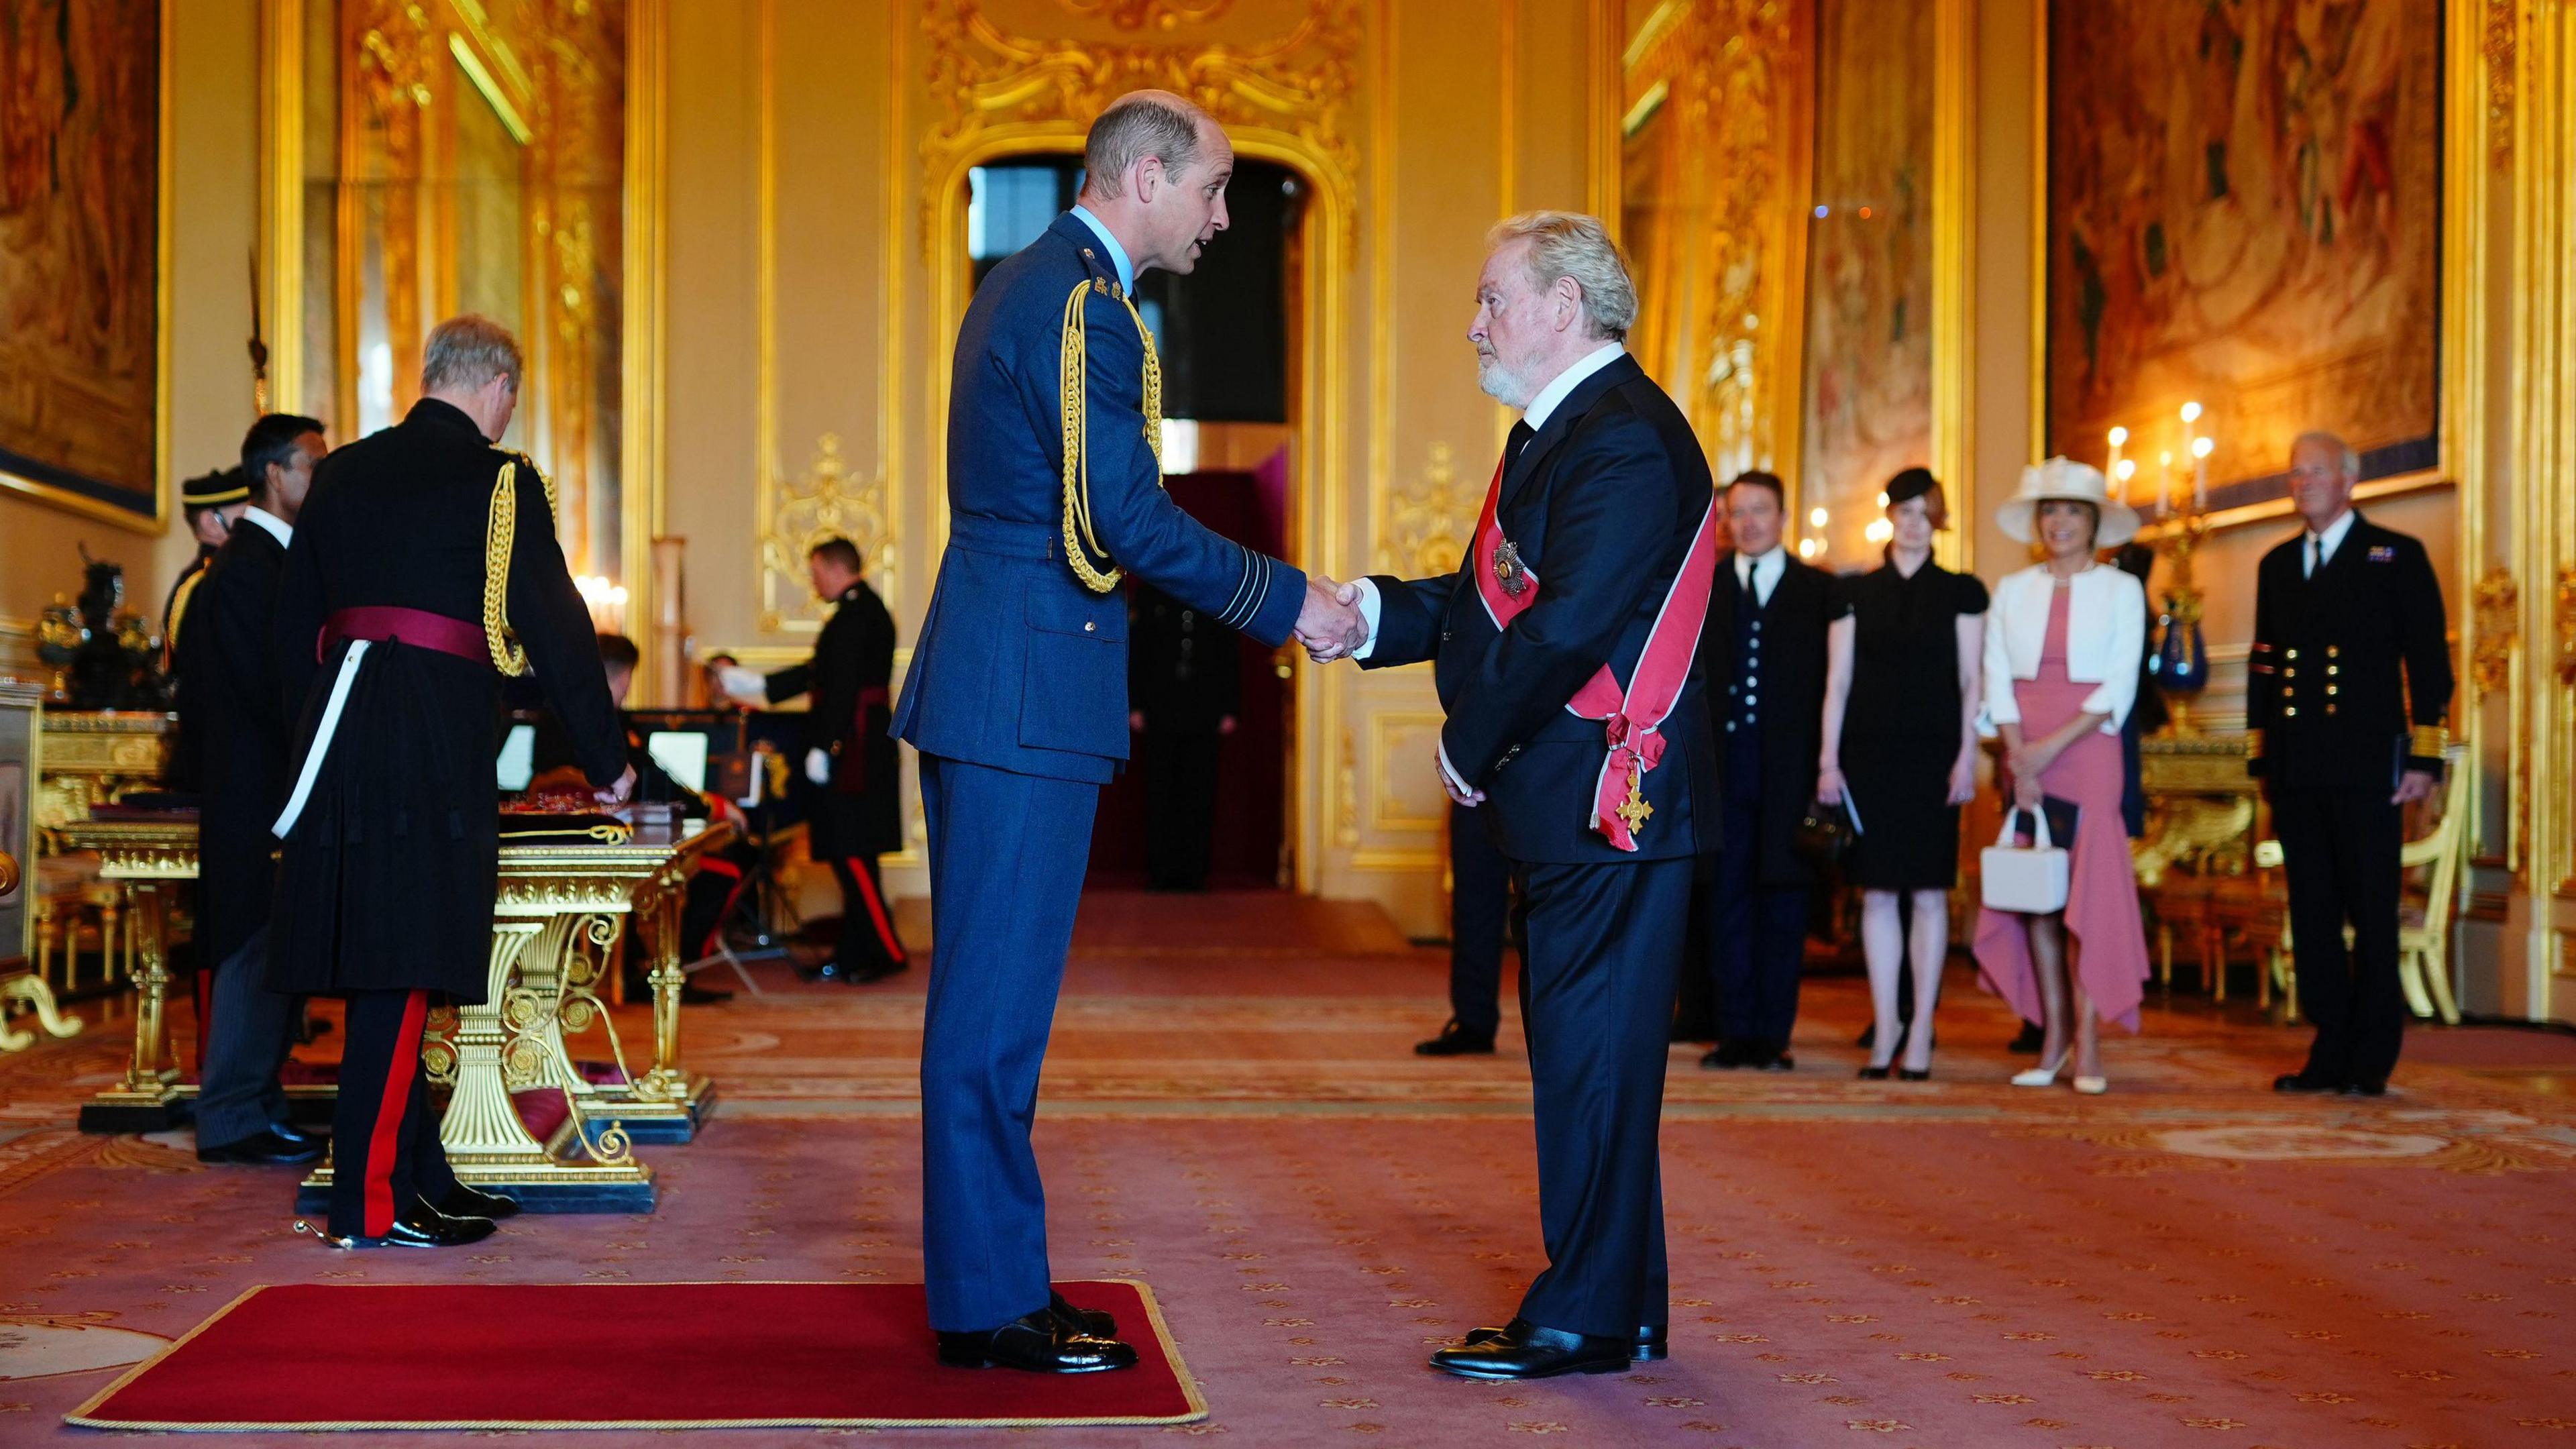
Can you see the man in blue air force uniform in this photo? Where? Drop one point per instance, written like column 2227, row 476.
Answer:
column 1017, row 693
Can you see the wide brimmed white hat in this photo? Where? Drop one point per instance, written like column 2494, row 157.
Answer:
column 2076, row 482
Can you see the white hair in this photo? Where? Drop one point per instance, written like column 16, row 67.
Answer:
column 2334, row 444
column 1570, row 244
column 466, row 352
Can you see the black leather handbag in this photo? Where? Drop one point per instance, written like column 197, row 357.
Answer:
column 1823, row 837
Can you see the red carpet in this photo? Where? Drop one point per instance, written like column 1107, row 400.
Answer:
column 619, row 1356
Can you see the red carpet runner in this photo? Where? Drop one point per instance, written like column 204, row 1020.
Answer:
column 620, row 1356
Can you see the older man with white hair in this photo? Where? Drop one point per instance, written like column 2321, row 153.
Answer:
column 1566, row 653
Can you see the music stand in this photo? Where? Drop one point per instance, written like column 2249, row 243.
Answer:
column 744, row 776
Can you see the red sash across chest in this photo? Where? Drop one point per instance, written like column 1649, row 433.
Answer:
column 1632, row 718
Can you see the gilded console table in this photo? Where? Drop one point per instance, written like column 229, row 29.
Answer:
column 91, row 756
column 556, row 925
column 148, row 855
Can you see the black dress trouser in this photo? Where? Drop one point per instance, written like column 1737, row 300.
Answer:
column 1605, row 956
column 1480, row 915
column 2340, row 851
column 384, row 1137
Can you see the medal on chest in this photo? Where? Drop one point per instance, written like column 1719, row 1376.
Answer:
column 1508, row 570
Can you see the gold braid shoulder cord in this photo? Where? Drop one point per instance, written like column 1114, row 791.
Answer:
column 501, row 526
column 1073, row 388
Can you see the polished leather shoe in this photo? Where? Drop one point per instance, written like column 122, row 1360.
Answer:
column 2302, row 1082
column 1533, row 1352
column 1040, row 1343
column 1455, row 1041
column 1098, row 1323
column 2364, row 1089
column 424, row 1227
column 263, row 1149
column 1648, row 1344
column 473, row 1202
column 1727, row 1053
column 825, row 971
column 289, row 1132
column 1772, row 1057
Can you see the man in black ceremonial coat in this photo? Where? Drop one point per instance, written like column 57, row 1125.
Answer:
column 233, row 738
column 213, row 503
column 1766, row 641
column 393, row 652
column 2346, row 691
column 849, row 778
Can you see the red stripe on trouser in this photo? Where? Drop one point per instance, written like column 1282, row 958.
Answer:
column 715, row 934
column 876, row 909
column 384, row 1141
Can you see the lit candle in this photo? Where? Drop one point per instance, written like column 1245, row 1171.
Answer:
column 2119, row 439
column 2125, row 470
column 2164, row 485
column 2200, row 473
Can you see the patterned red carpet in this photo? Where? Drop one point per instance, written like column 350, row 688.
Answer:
column 1233, row 1115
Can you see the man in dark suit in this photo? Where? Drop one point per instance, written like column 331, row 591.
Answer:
column 850, row 779
column 424, row 569
column 2346, row 691
column 1766, row 633
column 1017, row 694
column 1565, row 652
column 233, row 732
column 1184, row 684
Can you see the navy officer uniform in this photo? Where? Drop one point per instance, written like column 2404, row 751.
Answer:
column 1601, row 502
column 2347, row 688
column 1017, row 702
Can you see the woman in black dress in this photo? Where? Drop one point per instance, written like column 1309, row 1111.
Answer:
column 1901, row 750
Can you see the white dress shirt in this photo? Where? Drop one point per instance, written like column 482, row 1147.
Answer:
column 278, row 528
column 2318, row 549
column 1761, row 572
column 1117, row 253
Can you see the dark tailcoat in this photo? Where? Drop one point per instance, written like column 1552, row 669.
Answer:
column 2348, row 666
column 174, row 612
column 1602, row 503
column 386, row 880
column 233, row 727
column 860, row 813
column 1792, row 708
column 1017, row 701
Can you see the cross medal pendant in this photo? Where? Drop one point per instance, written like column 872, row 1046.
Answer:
column 1634, row 809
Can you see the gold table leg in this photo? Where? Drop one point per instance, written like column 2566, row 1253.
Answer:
column 666, row 1103
column 40, row 1000
column 141, row 1102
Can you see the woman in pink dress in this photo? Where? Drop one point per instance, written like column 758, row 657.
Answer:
column 2062, row 650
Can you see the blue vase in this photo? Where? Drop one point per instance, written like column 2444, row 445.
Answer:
column 2182, row 658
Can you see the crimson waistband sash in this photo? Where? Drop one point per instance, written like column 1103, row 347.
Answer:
column 1632, row 718
column 383, row 623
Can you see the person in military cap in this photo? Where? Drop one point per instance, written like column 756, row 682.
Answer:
column 233, row 743
column 1017, row 693
column 2346, row 691
column 424, row 569
column 212, row 502
column 850, row 780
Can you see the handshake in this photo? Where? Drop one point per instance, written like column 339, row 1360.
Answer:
column 1330, row 623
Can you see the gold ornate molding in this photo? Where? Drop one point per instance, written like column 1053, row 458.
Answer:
column 2498, row 604
column 1295, row 85
column 1424, row 521
column 2498, row 49
column 2566, row 616
column 829, row 500
column 1150, row 14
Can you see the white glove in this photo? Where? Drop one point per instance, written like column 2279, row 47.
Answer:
column 818, row 766
column 743, row 684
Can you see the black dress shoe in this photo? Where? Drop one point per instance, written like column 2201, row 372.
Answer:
column 1648, row 1344
column 1093, row 1321
column 1040, row 1343
column 424, row 1227
column 1774, row 1058
column 1873, row 1074
column 289, row 1132
column 1908, row 1074
column 1533, row 1352
column 264, row 1148
column 834, row 970
column 473, row 1202
column 1727, row 1054
column 2302, row 1082
column 1456, row 1041
column 863, row 975
column 2364, row 1089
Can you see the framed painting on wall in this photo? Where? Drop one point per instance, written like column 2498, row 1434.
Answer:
column 84, row 229
column 2244, row 210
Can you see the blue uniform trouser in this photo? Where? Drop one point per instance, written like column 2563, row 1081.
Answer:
column 1757, row 932
column 1007, row 856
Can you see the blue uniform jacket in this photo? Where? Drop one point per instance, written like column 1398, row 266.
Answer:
column 1020, row 667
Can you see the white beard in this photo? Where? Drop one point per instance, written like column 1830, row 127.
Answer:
column 1502, row 384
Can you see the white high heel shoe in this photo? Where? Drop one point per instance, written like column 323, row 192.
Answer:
column 2092, row 1086
column 2043, row 1076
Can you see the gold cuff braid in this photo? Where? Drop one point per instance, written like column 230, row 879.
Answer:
column 501, row 527
column 1073, row 390
column 2254, row 744
column 2427, row 742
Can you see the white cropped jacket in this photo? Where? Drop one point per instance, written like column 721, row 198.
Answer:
column 2106, row 634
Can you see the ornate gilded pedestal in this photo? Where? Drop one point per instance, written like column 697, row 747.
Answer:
column 556, row 926
column 150, row 856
